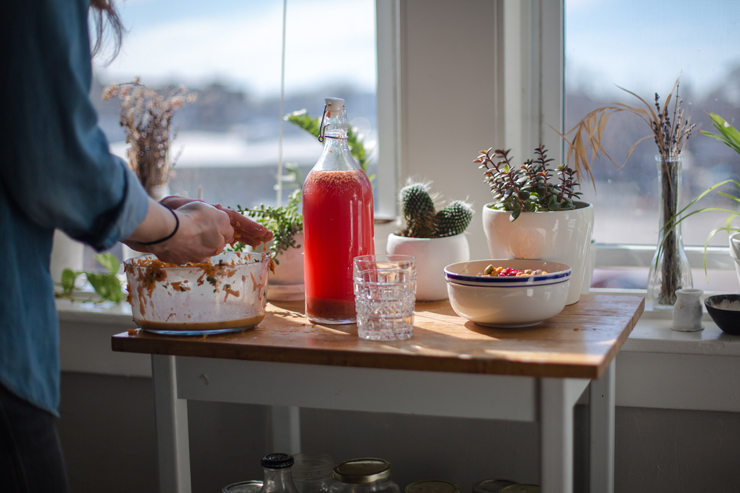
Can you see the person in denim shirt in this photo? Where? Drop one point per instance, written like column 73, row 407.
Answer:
column 56, row 172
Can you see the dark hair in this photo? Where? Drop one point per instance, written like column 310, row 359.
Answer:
column 103, row 11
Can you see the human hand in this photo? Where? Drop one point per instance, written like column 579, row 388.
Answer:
column 247, row 230
column 204, row 231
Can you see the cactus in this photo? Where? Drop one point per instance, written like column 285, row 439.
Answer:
column 418, row 211
column 453, row 219
column 424, row 221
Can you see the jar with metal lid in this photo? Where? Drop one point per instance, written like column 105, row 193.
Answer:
column 432, row 486
column 278, row 477
column 521, row 488
column 491, row 485
column 364, row 476
column 313, row 473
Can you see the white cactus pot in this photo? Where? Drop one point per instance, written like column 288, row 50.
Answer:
column 558, row 236
column 432, row 256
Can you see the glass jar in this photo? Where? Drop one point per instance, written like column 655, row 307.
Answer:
column 312, row 473
column 521, row 488
column 337, row 222
column 432, row 486
column 364, row 476
column 278, row 476
column 491, row 485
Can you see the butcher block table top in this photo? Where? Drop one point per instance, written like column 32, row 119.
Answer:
column 580, row 342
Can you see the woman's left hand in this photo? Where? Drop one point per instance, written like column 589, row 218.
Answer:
column 246, row 230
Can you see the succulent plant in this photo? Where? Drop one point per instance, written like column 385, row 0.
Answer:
column 528, row 188
column 424, row 221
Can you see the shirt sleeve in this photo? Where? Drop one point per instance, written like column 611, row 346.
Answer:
column 55, row 164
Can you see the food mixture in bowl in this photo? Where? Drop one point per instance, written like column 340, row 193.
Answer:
column 225, row 294
column 492, row 271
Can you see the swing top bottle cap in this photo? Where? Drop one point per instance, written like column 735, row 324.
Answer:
column 335, row 104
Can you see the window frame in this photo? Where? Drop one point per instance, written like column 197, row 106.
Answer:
column 537, row 28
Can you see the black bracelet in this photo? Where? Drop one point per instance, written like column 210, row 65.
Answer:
column 177, row 226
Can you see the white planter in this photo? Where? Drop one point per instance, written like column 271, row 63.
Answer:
column 66, row 253
column 559, row 236
column 735, row 252
column 432, row 256
column 286, row 283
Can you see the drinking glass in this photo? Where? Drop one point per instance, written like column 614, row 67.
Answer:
column 385, row 294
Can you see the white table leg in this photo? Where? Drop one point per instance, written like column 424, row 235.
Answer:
column 556, row 436
column 602, row 412
column 171, row 414
column 286, row 429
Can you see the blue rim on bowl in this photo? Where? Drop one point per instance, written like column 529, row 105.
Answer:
column 455, row 273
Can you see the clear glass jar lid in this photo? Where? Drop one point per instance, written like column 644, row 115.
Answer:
column 432, row 486
column 362, row 471
column 253, row 486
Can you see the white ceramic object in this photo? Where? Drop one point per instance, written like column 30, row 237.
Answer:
column 687, row 310
column 735, row 252
column 286, row 283
column 432, row 256
column 66, row 253
column 508, row 302
column 558, row 236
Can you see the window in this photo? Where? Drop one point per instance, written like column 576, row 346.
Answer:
column 644, row 47
column 229, row 52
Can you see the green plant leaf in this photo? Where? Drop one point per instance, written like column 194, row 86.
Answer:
column 68, row 280
column 106, row 285
column 109, row 261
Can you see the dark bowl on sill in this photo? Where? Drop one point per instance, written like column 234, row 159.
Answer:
column 726, row 319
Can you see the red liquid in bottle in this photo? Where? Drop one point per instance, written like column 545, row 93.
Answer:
column 338, row 226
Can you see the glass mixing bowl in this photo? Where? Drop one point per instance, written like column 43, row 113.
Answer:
column 225, row 294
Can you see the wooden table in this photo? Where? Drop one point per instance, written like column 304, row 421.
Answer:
column 450, row 367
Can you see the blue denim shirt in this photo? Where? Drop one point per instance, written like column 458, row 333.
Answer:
column 55, row 172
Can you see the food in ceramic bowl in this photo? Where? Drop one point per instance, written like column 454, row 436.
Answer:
column 725, row 311
column 507, row 300
column 225, row 294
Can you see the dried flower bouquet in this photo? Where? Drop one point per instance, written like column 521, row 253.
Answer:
column 670, row 130
column 146, row 117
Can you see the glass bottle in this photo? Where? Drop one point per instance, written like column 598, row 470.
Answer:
column 669, row 269
column 364, row 476
column 278, row 475
column 337, row 222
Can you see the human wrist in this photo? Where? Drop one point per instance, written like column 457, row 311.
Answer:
column 174, row 230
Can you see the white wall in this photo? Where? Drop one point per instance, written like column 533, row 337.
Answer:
column 448, row 99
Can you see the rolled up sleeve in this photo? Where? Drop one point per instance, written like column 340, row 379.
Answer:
column 57, row 168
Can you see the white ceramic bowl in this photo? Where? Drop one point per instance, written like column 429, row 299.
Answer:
column 507, row 301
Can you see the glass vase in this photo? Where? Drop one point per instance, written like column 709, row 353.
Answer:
column 669, row 269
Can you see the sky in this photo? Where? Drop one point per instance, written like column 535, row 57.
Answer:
column 644, row 45
column 238, row 43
